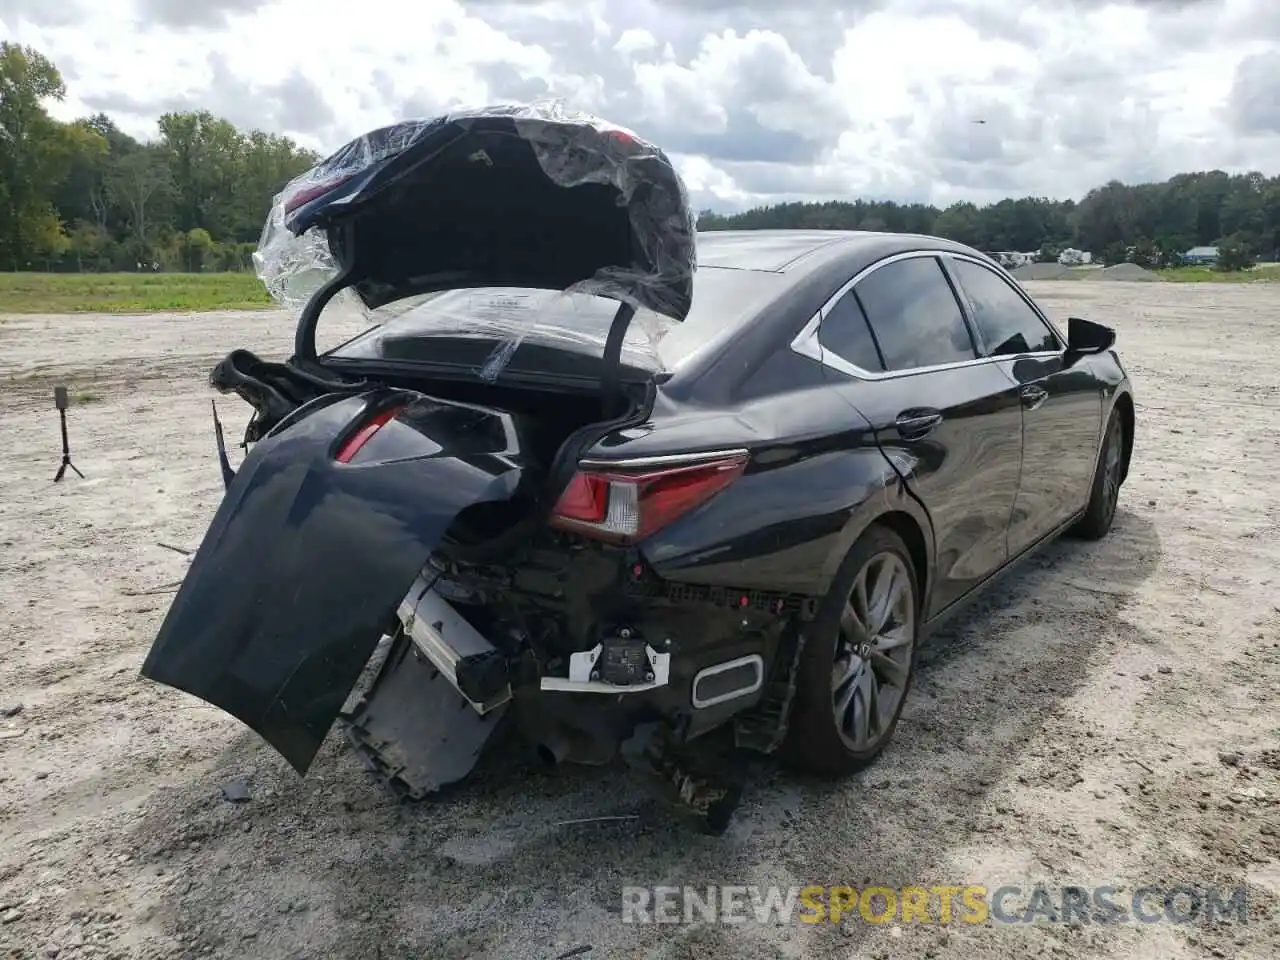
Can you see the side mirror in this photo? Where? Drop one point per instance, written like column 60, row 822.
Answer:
column 1085, row 338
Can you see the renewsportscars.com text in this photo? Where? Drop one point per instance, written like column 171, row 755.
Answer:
column 970, row 904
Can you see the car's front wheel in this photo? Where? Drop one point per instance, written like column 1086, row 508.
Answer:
column 858, row 659
column 1100, row 512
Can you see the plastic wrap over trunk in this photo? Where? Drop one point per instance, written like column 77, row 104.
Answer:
column 533, row 196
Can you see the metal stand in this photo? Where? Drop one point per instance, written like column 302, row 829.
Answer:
column 60, row 401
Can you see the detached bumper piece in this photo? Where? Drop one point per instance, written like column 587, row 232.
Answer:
column 472, row 665
column 414, row 729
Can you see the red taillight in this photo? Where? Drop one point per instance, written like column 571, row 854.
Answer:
column 629, row 506
column 362, row 436
column 585, row 500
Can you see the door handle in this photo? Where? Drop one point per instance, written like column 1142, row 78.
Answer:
column 916, row 424
column 1033, row 396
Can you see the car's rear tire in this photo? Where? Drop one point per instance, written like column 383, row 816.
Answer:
column 859, row 653
column 1107, row 478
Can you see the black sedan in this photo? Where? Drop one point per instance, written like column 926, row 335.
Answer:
column 838, row 440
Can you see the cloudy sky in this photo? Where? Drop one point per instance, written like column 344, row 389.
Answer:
column 756, row 100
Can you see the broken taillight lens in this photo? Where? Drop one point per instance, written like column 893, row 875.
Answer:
column 630, row 506
column 351, row 446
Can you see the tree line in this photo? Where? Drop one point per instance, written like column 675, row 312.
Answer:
column 86, row 196
column 1148, row 223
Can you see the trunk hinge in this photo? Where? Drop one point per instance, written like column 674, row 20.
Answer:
column 612, row 400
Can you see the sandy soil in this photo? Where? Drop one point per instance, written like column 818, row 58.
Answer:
column 1109, row 717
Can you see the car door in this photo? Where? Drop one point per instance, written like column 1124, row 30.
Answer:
column 896, row 343
column 1061, row 407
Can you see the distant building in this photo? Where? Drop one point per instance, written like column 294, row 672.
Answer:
column 1201, row 255
column 1012, row 258
column 1071, row 257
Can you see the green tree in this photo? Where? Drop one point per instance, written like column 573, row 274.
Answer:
column 36, row 153
column 138, row 183
column 1234, row 255
column 1114, row 253
column 1048, row 253
column 961, row 222
column 1169, row 252
column 89, row 244
column 196, row 245
column 1145, row 254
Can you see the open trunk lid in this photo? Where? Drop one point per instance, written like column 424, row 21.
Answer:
column 509, row 196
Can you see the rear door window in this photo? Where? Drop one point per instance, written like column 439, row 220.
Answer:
column 1006, row 324
column 914, row 315
column 845, row 333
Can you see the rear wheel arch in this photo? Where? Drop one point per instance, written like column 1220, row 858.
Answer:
column 1124, row 407
column 899, row 512
column 908, row 528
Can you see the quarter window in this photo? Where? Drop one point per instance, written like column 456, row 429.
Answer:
column 845, row 333
column 1005, row 322
column 914, row 315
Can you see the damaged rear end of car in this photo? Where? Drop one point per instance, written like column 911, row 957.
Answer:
column 444, row 477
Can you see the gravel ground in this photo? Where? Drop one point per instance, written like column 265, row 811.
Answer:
column 1108, row 717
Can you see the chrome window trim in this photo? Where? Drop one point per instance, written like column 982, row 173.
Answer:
column 806, row 342
column 665, row 460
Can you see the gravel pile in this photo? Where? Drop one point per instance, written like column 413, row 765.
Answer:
column 1040, row 271
column 1124, row 271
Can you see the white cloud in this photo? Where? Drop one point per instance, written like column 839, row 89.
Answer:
column 635, row 40
column 756, row 102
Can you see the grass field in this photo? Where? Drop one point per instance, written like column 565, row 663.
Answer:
column 196, row 292
column 129, row 292
column 1264, row 271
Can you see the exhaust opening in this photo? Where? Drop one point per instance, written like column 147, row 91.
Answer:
column 553, row 750
column 728, row 681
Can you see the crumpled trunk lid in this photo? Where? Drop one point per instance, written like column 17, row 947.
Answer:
column 307, row 558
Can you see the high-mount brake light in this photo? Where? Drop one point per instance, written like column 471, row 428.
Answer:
column 307, row 193
column 627, row 506
column 365, row 433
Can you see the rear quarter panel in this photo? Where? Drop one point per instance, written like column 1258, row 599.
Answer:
column 815, row 481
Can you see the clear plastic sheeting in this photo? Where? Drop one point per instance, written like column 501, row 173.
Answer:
column 292, row 267
column 571, row 321
column 461, row 201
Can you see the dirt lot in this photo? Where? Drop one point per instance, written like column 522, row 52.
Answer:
column 1110, row 717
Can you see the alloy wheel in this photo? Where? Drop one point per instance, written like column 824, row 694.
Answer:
column 1112, row 466
column 873, row 651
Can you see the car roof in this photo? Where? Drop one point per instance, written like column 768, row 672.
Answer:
column 800, row 251
column 784, row 276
